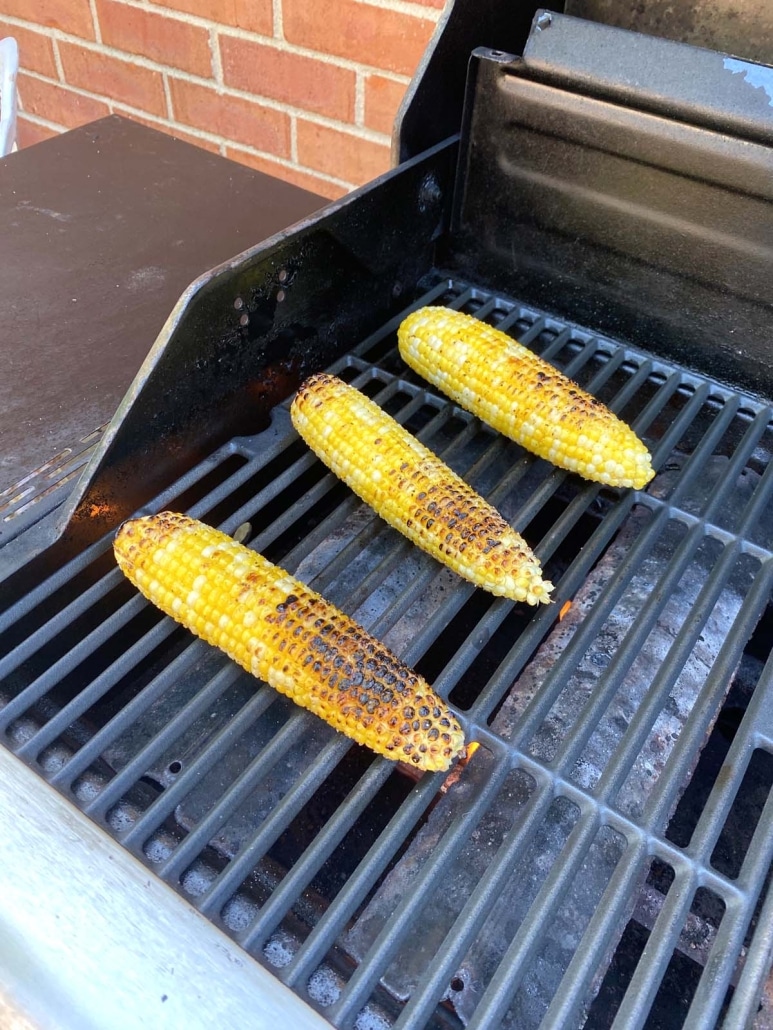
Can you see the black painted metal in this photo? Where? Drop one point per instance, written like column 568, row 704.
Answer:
column 432, row 108
column 101, row 229
column 245, row 334
column 421, row 907
column 745, row 30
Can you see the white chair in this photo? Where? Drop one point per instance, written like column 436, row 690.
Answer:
column 9, row 65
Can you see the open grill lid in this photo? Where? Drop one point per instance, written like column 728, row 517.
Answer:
column 604, row 853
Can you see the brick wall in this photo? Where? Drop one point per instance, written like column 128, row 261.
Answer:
column 304, row 89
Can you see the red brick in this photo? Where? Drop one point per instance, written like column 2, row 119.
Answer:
column 360, row 32
column 57, row 103
column 340, row 154
column 36, row 51
column 239, row 120
column 382, row 99
column 120, row 80
column 73, row 16
column 253, row 15
column 28, row 133
column 305, row 82
column 296, row 176
column 166, row 40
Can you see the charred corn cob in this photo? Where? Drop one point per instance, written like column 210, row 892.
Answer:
column 289, row 636
column 523, row 397
column 413, row 490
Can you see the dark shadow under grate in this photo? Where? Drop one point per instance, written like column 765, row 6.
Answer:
column 529, row 882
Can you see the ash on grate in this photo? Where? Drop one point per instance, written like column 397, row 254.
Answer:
column 526, row 857
column 627, row 685
column 625, row 667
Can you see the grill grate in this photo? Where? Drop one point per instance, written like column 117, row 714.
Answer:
column 530, row 881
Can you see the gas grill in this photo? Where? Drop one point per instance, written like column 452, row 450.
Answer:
column 602, row 855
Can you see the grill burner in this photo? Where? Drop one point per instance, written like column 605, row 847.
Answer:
column 532, row 880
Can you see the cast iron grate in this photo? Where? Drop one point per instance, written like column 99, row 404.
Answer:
column 559, row 864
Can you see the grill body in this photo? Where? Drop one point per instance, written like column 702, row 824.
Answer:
column 603, row 857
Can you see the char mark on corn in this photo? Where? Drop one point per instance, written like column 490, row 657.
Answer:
column 414, row 491
column 522, row 396
column 289, row 636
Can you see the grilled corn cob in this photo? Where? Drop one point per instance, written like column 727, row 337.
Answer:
column 523, row 397
column 289, row 636
column 411, row 488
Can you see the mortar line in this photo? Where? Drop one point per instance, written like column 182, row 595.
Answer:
column 347, row 128
column 276, row 42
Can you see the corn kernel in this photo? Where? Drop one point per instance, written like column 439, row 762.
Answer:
column 414, row 491
column 287, row 635
column 523, row 397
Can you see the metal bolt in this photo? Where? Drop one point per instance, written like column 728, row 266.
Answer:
column 544, row 21
column 430, row 193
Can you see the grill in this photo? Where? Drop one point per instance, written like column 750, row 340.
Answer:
column 602, row 857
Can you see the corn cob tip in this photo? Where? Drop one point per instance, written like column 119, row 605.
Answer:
column 292, row 638
column 522, row 396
